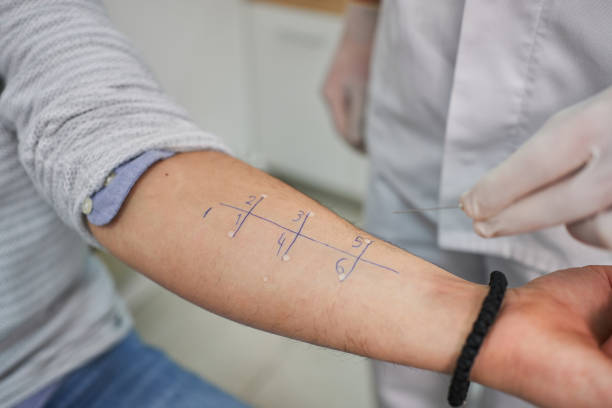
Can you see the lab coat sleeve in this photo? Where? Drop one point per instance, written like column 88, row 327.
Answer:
column 80, row 101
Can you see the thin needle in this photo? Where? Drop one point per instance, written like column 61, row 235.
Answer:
column 414, row 210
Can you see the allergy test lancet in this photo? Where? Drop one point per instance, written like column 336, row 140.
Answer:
column 425, row 209
column 290, row 236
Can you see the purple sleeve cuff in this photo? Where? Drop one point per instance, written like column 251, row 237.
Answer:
column 108, row 201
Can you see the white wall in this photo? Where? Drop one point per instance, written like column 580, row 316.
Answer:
column 251, row 73
column 196, row 49
column 292, row 49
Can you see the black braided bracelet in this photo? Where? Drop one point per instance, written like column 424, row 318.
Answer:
column 460, row 383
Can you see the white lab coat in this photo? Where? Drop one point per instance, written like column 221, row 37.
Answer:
column 456, row 87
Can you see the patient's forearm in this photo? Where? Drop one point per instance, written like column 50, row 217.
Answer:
column 246, row 246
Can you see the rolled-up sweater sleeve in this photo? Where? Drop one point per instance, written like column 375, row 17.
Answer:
column 81, row 102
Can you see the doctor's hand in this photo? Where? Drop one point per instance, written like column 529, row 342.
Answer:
column 346, row 83
column 562, row 175
column 551, row 343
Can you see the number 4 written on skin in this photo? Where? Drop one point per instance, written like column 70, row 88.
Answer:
column 289, row 236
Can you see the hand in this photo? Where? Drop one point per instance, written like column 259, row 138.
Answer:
column 562, row 175
column 346, row 83
column 552, row 344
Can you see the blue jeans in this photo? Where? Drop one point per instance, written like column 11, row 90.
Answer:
column 132, row 374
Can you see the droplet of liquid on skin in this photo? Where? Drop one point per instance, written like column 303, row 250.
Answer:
column 341, row 277
column 286, row 257
column 231, row 234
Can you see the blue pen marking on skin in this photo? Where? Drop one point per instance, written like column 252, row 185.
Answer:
column 343, row 277
column 251, row 198
column 206, row 212
column 297, row 234
column 302, row 216
column 280, row 242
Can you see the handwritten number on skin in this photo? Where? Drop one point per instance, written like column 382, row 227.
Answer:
column 343, row 269
column 340, row 268
column 300, row 214
column 281, row 241
column 358, row 242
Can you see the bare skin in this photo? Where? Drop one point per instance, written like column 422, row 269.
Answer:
column 210, row 228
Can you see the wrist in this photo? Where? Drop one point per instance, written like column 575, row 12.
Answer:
column 495, row 356
column 463, row 314
column 489, row 311
column 450, row 306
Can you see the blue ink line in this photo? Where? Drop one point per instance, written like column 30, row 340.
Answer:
column 290, row 230
column 280, row 243
column 379, row 265
column 260, row 217
column 311, row 238
column 357, row 260
column 329, row 246
column 247, row 216
column 298, row 234
column 206, row 212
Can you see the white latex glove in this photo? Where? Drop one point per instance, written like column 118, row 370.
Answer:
column 562, row 175
column 346, row 83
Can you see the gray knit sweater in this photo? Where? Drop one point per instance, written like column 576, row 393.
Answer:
column 77, row 102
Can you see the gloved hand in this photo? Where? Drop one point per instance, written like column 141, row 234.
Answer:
column 346, row 83
column 562, row 175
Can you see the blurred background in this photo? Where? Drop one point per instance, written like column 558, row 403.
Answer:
column 251, row 72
